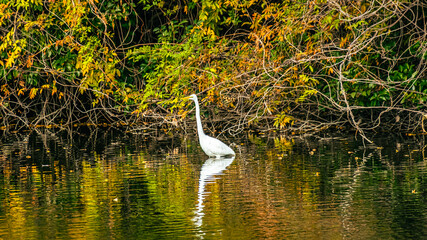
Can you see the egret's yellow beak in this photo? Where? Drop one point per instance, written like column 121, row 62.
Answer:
column 191, row 97
column 186, row 98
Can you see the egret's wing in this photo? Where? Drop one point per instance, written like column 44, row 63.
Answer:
column 217, row 147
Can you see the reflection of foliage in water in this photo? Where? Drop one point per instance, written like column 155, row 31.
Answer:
column 107, row 191
column 116, row 186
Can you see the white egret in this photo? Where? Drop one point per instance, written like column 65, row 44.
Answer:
column 211, row 146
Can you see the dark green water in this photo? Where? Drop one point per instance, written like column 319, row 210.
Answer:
column 110, row 185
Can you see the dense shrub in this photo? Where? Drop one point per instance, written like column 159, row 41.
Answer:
column 292, row 65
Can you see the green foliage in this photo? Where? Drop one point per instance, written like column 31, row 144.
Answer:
column 268, row 61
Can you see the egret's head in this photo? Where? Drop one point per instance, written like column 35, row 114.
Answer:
column 192, row 97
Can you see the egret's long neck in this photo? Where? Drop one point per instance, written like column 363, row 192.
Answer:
column 199, row 122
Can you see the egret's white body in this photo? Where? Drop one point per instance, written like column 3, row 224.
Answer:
column 211, row 146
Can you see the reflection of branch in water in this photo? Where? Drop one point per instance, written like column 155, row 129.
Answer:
column 347, row 198
column 211, row 168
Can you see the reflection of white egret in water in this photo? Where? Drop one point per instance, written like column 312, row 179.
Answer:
column 210, row 169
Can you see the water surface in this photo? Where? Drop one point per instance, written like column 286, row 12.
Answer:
column 102, row 184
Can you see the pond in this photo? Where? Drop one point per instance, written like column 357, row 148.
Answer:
column 108, row 184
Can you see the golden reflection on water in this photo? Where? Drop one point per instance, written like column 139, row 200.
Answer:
column 271, row 191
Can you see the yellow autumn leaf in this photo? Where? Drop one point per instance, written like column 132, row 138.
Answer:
column 33, row 92
column 137, row 111
column 21, row 91
column 4, row 89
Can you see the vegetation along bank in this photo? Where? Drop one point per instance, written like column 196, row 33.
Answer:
column 297, row 66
